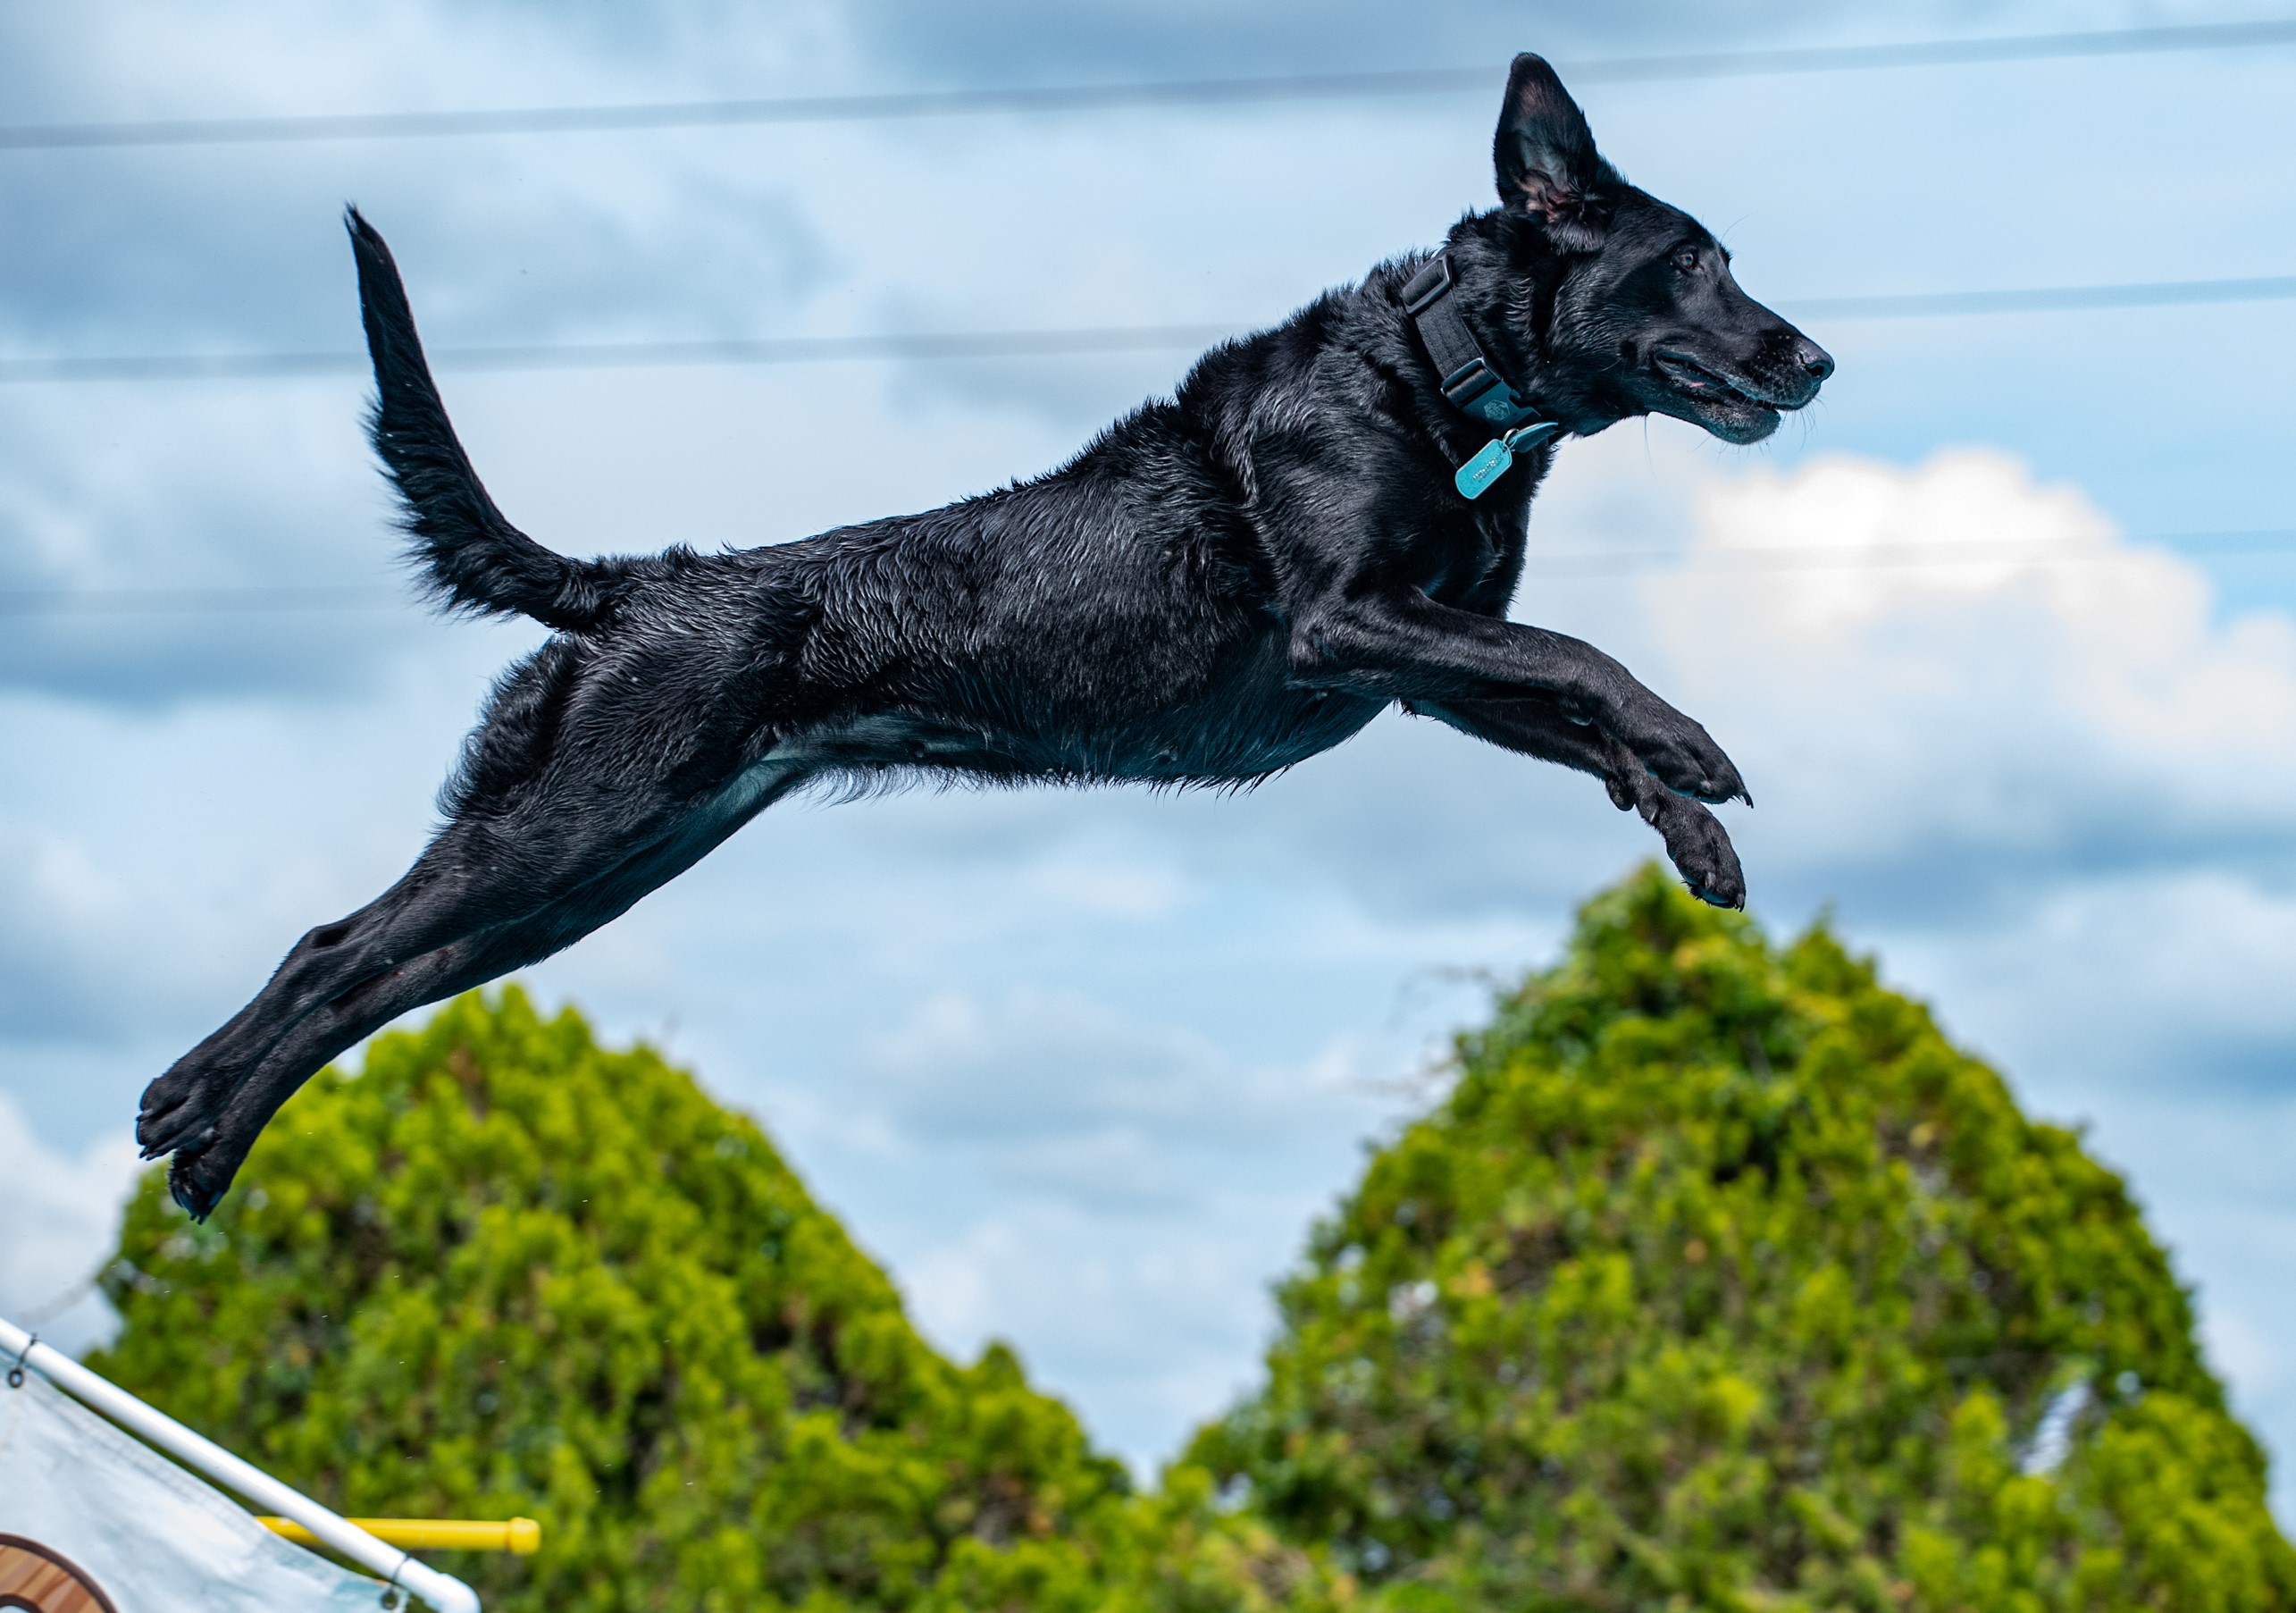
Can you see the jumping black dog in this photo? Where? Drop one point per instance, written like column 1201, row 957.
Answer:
column 1327, row 519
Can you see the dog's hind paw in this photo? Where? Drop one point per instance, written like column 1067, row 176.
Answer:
column 179, row 1110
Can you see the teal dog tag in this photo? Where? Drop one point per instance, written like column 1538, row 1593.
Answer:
column 1485, row 469
column 1497, row 457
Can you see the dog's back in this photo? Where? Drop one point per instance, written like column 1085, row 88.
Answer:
column 1112, row 619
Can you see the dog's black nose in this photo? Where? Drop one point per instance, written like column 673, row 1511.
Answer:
column 1816, row 363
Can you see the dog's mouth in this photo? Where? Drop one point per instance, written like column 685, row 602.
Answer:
column 1728, row 408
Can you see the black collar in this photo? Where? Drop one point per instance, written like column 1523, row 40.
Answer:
column 1469, row 380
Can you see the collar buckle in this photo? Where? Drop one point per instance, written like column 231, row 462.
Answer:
column 1476, row 387
column 1428, row 287
column 1471, row 382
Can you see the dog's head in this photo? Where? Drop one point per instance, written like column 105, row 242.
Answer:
column 1632, row 303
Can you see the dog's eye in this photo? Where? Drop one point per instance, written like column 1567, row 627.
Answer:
column 1686, row 259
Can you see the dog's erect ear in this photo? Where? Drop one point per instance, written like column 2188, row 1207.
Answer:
column 1546, row 157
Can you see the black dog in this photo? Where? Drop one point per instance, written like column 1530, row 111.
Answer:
column 1327, row 519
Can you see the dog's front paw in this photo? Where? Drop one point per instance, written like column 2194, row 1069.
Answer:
column 1700, row 850
column 199, row 1177
column 1678, row 752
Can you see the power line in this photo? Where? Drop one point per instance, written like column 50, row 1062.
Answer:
column 1047, row 343
column 1091, row 97
column 1892, row 556
column 198, row 601
column 2048, row 299
column 1589, row 563
column 633, row 355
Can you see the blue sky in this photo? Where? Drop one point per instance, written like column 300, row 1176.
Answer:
column 1081, row 1067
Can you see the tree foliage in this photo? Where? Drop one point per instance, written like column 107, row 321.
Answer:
column 506, row 1272
column 1722, row 1280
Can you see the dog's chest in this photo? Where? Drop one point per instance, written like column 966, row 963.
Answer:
column 1470, row 555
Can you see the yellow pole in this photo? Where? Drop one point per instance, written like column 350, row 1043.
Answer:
column 519, row 1534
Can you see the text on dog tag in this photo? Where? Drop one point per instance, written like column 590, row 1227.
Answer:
column 1496, row 456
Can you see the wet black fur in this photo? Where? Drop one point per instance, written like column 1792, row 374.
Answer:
column 1218, row 586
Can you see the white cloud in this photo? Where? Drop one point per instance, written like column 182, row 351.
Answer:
column 62, row 1216
column 2074, row 700
column 1148, row 1326
column 1062, row 1095
column 2178, row 974
column 1108, row 1190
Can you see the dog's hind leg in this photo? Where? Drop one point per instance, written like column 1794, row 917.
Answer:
column 538, row 811
column 485, row 898
column 203, row 1168
column 1696, row 841
column 204, row 1165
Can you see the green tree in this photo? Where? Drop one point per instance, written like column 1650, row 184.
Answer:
column 1722, row 1280
column 504, row 1271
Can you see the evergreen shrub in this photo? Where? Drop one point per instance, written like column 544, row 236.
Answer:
column 1720, row 1279
column 506, row 1272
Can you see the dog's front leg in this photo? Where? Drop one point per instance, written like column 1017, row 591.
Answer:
column 1696, row 844
column 1396, row 643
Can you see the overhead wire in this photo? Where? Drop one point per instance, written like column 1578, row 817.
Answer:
column 1117, row 338
column 633, row 355
column 945, row 345
column 1892, row 556
column 257, row 599
column 1106, row 338
column 1091, row 97
column 1561, row 565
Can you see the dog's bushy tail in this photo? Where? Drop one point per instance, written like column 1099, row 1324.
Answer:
column 470, row 557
